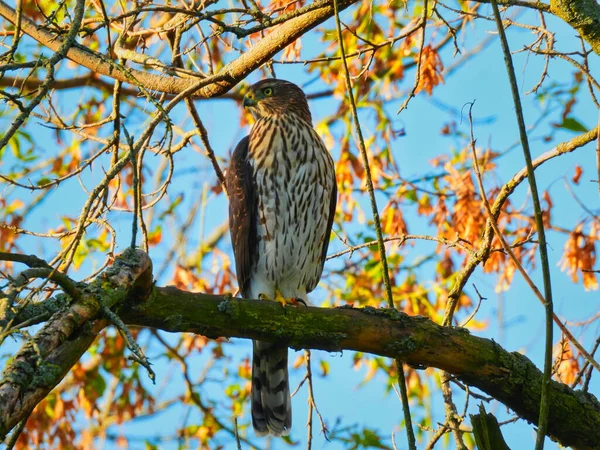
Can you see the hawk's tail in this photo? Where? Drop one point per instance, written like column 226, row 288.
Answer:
column 271, row 401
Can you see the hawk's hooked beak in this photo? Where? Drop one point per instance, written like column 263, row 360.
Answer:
column 249, row 100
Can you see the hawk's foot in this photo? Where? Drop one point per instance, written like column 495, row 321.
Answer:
column 291, row 301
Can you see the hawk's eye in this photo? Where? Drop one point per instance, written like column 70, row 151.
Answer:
column 268, row 91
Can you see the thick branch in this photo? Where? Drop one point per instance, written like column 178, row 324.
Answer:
column 95, row 81
column 583, row 15
column 45, row 359
column 509, row 377
column 126, row 286
column 235, row 71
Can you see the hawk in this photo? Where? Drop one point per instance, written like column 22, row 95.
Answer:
column 282, row 198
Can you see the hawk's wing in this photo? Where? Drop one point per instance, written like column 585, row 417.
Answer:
column 242, row 214
column 332, row 204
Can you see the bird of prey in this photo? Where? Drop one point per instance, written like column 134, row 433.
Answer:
column 282, row 198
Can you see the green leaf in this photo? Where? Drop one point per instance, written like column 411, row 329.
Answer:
column 97, row 244
column 572, row 124
column 368, row 439
column 97, row 384
column 15, row 145
column 172, row 207
column 411, row 195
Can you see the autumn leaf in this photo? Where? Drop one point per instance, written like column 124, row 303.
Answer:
column 579, row 256
column 577, row 175
column 566, row 365
column 430, row 70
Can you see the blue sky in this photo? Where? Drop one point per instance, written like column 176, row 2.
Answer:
column 482, row 79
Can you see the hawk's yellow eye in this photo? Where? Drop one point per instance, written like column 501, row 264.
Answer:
column 268, row 91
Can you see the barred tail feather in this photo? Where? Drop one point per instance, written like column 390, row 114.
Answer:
column 271, row 401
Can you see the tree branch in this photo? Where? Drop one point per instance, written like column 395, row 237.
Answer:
column 44, row 361
column 126, row 287
column 509, row 377
column 234, row 71
column 583, row 15
column 506, row 191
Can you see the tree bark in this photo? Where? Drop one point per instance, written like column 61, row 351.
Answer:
column 44, row 361
column 509, row 377
column 583, row 15
column 231, row 73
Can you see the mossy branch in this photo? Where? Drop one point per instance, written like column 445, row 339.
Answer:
column 44, row 360
column 583, row 15
column 509, row 377
column 126, row 287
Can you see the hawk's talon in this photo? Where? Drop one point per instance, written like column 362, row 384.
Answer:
column 299, row 301
column 286, row 301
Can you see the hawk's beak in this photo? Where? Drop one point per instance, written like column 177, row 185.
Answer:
column 249, row 100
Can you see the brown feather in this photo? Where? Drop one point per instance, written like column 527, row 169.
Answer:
column 242, row 213
column 283, row 196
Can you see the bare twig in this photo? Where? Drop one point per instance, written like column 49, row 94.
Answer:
column 138, row 354
column 312, row 403
column 376, row 220
column 50, row 64
column 598, row 155
column 481, row 299
column 420, row 60
column 291, row 26
column 237, row 435
column 14, row 437
column 43, row 269
column 586, row 365
column 539, row 220
column 453, row 419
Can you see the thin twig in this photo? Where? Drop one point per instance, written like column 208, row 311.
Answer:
column 50, row 64
column 43, row 269
column 309, row 419
column 237, row 435
column 312, row 403
column 436, row 436
column 586, row 381
column 194, row 396
column 136, row 185
column 465, row 388
column 376, row 220
column 539, row 221
column 403, row 238
column 420, row 60
column 464, row 324
column 585, row 366
column 14, row 437
column 138, row 354
column 210, row 153
column 453, row 419
column 493, row 212
column 598, row 155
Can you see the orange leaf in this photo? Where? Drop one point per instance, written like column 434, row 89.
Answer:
column 578, row 173
column 430, row 70
column 298, row 362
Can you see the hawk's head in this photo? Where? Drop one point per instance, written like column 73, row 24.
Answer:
column 276, row 97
